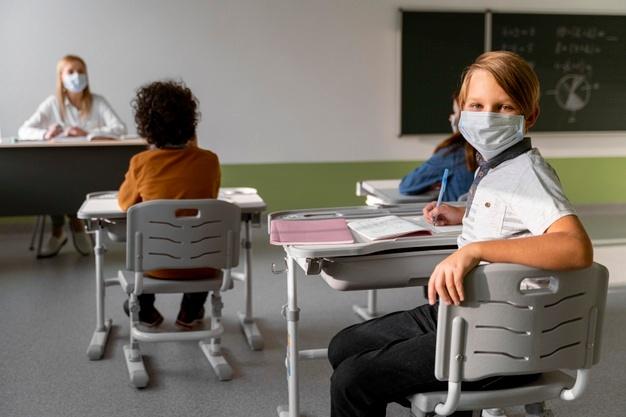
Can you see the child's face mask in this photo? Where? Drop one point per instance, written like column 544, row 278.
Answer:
column 75, row 82
column 491, row 133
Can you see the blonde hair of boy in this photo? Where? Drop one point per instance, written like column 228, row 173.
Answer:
column 513, row 74
column 61, row 93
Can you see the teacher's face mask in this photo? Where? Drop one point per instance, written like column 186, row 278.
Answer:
column 75, row 82
column 491, row 133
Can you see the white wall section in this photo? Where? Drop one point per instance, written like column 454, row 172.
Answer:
column 278, row 80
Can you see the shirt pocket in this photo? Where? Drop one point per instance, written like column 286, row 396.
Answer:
column 488, row 217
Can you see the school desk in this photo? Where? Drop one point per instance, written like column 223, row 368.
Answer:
column 361, row 265
column 386, row 193
column 53, row 177
column 102, row 214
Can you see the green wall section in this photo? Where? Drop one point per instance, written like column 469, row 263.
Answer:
column 592, row 180
column 308, row 185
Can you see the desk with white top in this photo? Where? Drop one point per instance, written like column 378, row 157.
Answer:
column 53, row 177
column 101, row 212
column 361, row 265
column 386, row 193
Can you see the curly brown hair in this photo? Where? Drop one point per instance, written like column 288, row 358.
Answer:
column 166, row 113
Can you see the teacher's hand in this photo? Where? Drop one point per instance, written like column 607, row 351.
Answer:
column 75, row 131
column 54, row 130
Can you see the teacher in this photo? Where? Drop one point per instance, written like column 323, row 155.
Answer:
column 72, row 111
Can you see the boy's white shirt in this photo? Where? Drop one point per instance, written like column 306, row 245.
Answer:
column 520, row 197
column 101, row 120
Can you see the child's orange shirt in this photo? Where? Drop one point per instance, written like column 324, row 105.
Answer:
column 171, row 173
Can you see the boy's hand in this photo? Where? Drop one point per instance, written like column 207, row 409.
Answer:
column 442, row 215
column 447, row 278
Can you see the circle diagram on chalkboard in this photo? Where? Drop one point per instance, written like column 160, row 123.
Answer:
column 573, row 93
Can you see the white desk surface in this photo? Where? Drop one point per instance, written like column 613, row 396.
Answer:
column 105, row 206
column 362, row 246
column 371, row 247
column 13, row 143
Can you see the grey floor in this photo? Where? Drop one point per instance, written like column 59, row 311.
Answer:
column 47, row 311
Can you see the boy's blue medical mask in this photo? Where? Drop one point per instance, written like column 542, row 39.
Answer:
column 75, row 82
column 491, row 133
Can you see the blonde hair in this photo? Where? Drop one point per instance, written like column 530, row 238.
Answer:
column 61, row 93
column 513, row 74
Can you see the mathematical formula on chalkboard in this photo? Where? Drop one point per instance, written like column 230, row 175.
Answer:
column 580, row 61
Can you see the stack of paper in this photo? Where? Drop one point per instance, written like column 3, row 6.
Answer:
column 310, row 232
column 386, row 227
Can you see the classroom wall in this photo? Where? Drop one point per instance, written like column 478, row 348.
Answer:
column 291, row 82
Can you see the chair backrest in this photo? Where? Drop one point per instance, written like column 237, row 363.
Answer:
column 176, row 234
column 517, row 319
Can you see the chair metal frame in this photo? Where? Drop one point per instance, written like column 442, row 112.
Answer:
column 159, row 237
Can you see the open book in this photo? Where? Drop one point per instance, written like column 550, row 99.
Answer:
column 387, row 227
column 102, row 136
column 109, row 136
column 310, row 232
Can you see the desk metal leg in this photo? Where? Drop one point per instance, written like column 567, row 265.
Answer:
column 35, row 234
column 369, row 312
column 101, row 334
column 248, row 325
column 292, row 314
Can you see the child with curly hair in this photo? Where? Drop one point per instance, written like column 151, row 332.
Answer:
column 166, row 114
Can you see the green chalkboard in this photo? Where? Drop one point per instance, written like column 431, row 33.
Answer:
column 436, row 47
column 580, row 61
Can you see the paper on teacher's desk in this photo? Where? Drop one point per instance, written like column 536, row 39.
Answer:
column 99, row 136
column 69, row 139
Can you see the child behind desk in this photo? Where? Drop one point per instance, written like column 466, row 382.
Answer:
column 166, row 113
column 516, row 213
column 453, row 153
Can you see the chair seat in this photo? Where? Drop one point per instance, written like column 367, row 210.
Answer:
column 548, row 386
column 160, row 286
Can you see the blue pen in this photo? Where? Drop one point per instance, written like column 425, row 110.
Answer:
column 442, row 190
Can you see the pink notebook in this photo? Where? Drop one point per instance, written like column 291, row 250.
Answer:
column 310, row 232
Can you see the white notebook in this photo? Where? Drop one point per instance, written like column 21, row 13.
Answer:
column 386, row 227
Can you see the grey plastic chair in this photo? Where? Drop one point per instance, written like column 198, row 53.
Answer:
column 518, row 320
column 176, row 234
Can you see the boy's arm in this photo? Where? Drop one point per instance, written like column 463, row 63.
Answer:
column 128, row 193
column 564, row 245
